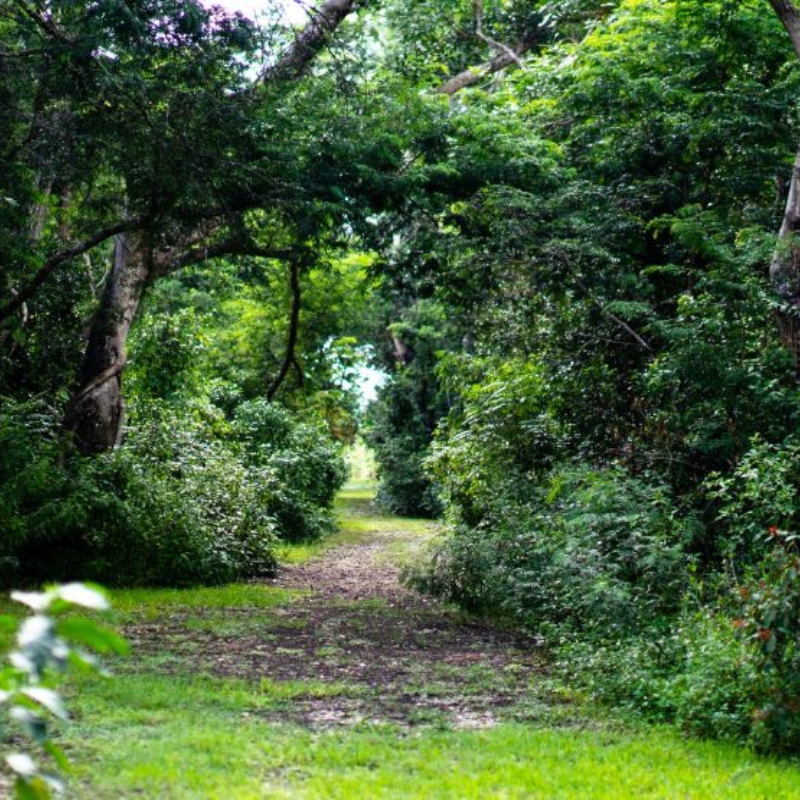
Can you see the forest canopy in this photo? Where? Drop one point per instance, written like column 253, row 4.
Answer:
column 565, row 232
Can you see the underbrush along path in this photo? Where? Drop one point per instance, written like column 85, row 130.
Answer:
column 336, row 681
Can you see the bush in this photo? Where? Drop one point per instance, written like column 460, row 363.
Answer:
column 598, row 551
column 48, row 644
column 692, row 670
column 698, row 671
column 188, row 498
column 762, row 492
column 307, row 465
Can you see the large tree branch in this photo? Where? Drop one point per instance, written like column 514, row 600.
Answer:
column 789, row 15
column 226, row 247
column 52, row 263
column 505, row 58
column 296, row 59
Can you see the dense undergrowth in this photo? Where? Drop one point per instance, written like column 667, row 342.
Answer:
column 610, row 419
column 192, row 496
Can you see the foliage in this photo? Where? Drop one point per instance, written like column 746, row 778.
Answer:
column 562, row 271
column 308, row 467
column 47, row 644
column 595, row 551
column 760, row 494
column 190, row 498
column 404, row 416
column 624, row 406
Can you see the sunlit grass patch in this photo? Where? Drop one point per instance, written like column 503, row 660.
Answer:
column 153, row 603
column 300, row 552
column 204, row 738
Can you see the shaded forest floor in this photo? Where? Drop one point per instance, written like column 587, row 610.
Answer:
column 336, row 681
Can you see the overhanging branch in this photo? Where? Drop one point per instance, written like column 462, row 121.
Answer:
column 505, row 58
column 52, row 263
column 324, row 20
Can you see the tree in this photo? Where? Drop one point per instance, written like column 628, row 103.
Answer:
column 785, row 268
column 137, row 69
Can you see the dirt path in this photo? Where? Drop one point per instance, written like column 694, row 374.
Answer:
column 374, row 650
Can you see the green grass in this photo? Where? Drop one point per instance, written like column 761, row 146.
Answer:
column 159, row 730
column 358, row 518
column 149, row 604
column 200, row 738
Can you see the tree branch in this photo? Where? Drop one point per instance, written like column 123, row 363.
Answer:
column 227, row 247
column 59, row 258
column 297, row 58
column 477, row 7
column 505, row 58
column 613, row 317
column 294, row 325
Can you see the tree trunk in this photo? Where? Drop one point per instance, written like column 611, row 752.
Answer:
column 784, row 270
column 95, row 413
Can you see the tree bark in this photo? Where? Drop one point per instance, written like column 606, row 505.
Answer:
column 324, row 19
column 784, row 270
column 505, row 58
column 95, row 413
column 789, row 15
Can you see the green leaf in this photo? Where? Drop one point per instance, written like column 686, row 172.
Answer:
column 36, row 789
column 22, row 764
column 89, row 633
column 57, row 754
column 48, row 699
column 80, row 594
column 38, row 601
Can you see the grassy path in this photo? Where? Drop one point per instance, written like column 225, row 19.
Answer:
column 336, row 682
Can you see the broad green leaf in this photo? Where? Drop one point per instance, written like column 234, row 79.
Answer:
column 47, row 698
column 22, row 764
column 82, row 595
column 38, row 601
column 92, row 635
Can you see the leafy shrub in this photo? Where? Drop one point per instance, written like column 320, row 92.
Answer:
column 762, row 492
column 504, row 437
column 188, row 498
column 47, row 645
column 405, row 487
column 770, row 623
column 306, row 463
column 700, row 670
column 594, row 550
column 692, row 670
